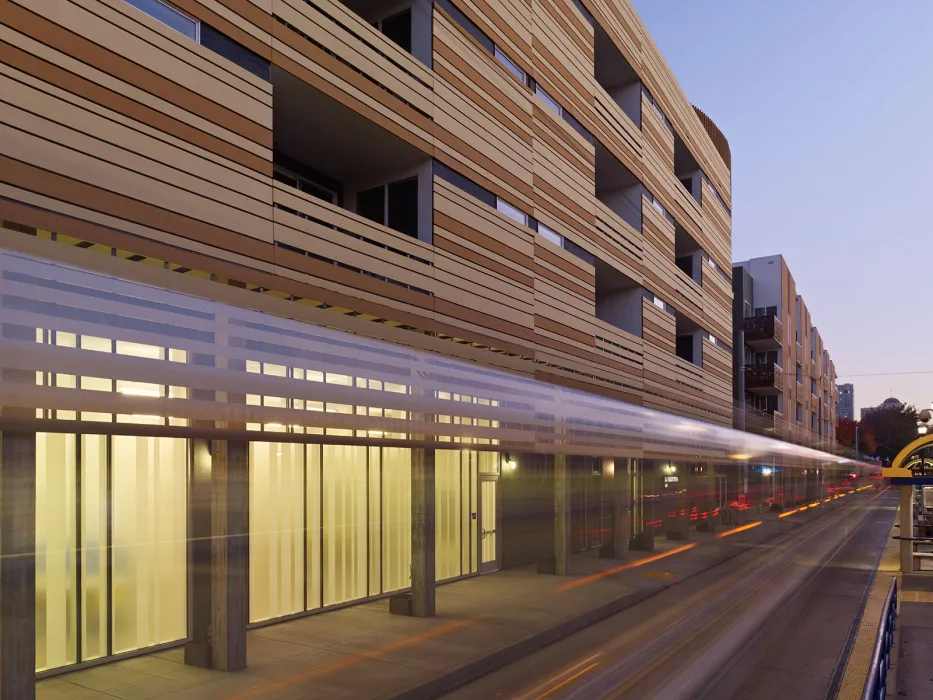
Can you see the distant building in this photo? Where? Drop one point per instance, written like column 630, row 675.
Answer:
column 887, row 403
column 846, row 406
column 784, row 381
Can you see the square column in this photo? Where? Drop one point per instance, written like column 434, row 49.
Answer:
column 562, row 493
column 620, row 505
column 219, row 551
column 17, row 566
column 422, row 533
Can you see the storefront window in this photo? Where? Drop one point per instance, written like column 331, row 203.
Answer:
column 149, row 556
column 276, row 529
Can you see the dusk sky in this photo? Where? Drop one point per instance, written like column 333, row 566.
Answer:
column 828, row 109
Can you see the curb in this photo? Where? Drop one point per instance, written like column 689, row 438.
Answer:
column 525, row 647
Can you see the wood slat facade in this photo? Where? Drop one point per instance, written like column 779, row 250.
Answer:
column 122, row 136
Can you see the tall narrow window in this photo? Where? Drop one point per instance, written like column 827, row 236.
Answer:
column 403, row 207
column 398, row 29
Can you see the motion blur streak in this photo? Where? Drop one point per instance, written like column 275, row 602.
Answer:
column 624, row 567
column 563, row 674
column 741, row 528
column 405, row 388
column 568, row 680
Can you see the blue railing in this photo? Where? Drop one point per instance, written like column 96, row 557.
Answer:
column 876, row 683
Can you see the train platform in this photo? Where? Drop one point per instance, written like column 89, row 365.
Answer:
column 483, row 623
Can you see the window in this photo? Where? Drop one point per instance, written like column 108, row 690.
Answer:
column 812, row 421
column 548, row 100
column 813, row 387
column 371, row 204
column 799, row 412
column 465, row 184
column 510, row 65
column 305, row 185
column 168, row 16
column 799, row 374
column 234, row 52
column 467, row 24
column 402, row 212
column 394, row 205
column 512, row 212
column 554, row 238
column 397, row 28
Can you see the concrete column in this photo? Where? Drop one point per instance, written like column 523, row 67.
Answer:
column 219, row 521
column 17, row 566
column 562, row 494
column 619, row 502
column 422, row 532
column 907, row 528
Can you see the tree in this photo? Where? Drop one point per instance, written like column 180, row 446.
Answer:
column 892, row 427
column 845, row 435
column 845, row 432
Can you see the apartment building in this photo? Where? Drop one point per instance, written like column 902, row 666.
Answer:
column 784, row 378
column 517, row 184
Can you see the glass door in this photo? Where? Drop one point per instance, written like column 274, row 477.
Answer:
column 488, row 518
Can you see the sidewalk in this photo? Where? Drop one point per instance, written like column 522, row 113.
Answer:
column 363, row 652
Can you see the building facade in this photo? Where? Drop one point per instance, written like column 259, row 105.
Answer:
column 846, row 406
column 889, row 403
column 518, row 185
column 784, row 378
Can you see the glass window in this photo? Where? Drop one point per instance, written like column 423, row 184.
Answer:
column 510, row 65
column 799, row 413
column 168, row 16
column 276, row 529
column 371, row 204
column 236, row 53
column 396, row 518
column 553, row 237
column 512, row 212
column 150, row 555
column 403, row 207
column 548, row 100
column 398, row 29
column 448, row 524
column 344, row 523
column 56, row 573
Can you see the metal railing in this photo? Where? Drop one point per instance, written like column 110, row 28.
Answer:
column 876, row 683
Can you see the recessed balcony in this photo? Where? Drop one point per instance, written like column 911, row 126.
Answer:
column 764, row 379
column 763, row 332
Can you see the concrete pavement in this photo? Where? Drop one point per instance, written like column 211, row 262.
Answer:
column 483, row 623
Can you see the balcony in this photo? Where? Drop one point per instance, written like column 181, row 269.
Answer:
column 763, row 332
column 764, row 379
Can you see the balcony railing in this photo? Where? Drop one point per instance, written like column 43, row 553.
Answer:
column 764, row 378
column 763, row 332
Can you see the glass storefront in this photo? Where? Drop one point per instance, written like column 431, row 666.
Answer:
column 331, row 524
column 124, row 588
column 328, row 524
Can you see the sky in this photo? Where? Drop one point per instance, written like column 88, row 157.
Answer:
column 828, row 109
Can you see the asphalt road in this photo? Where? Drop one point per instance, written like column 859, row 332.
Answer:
column 772, row 622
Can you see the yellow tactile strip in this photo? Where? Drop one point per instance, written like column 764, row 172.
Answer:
column 853, row 681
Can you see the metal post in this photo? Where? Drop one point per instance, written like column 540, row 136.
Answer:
column 907, row 528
